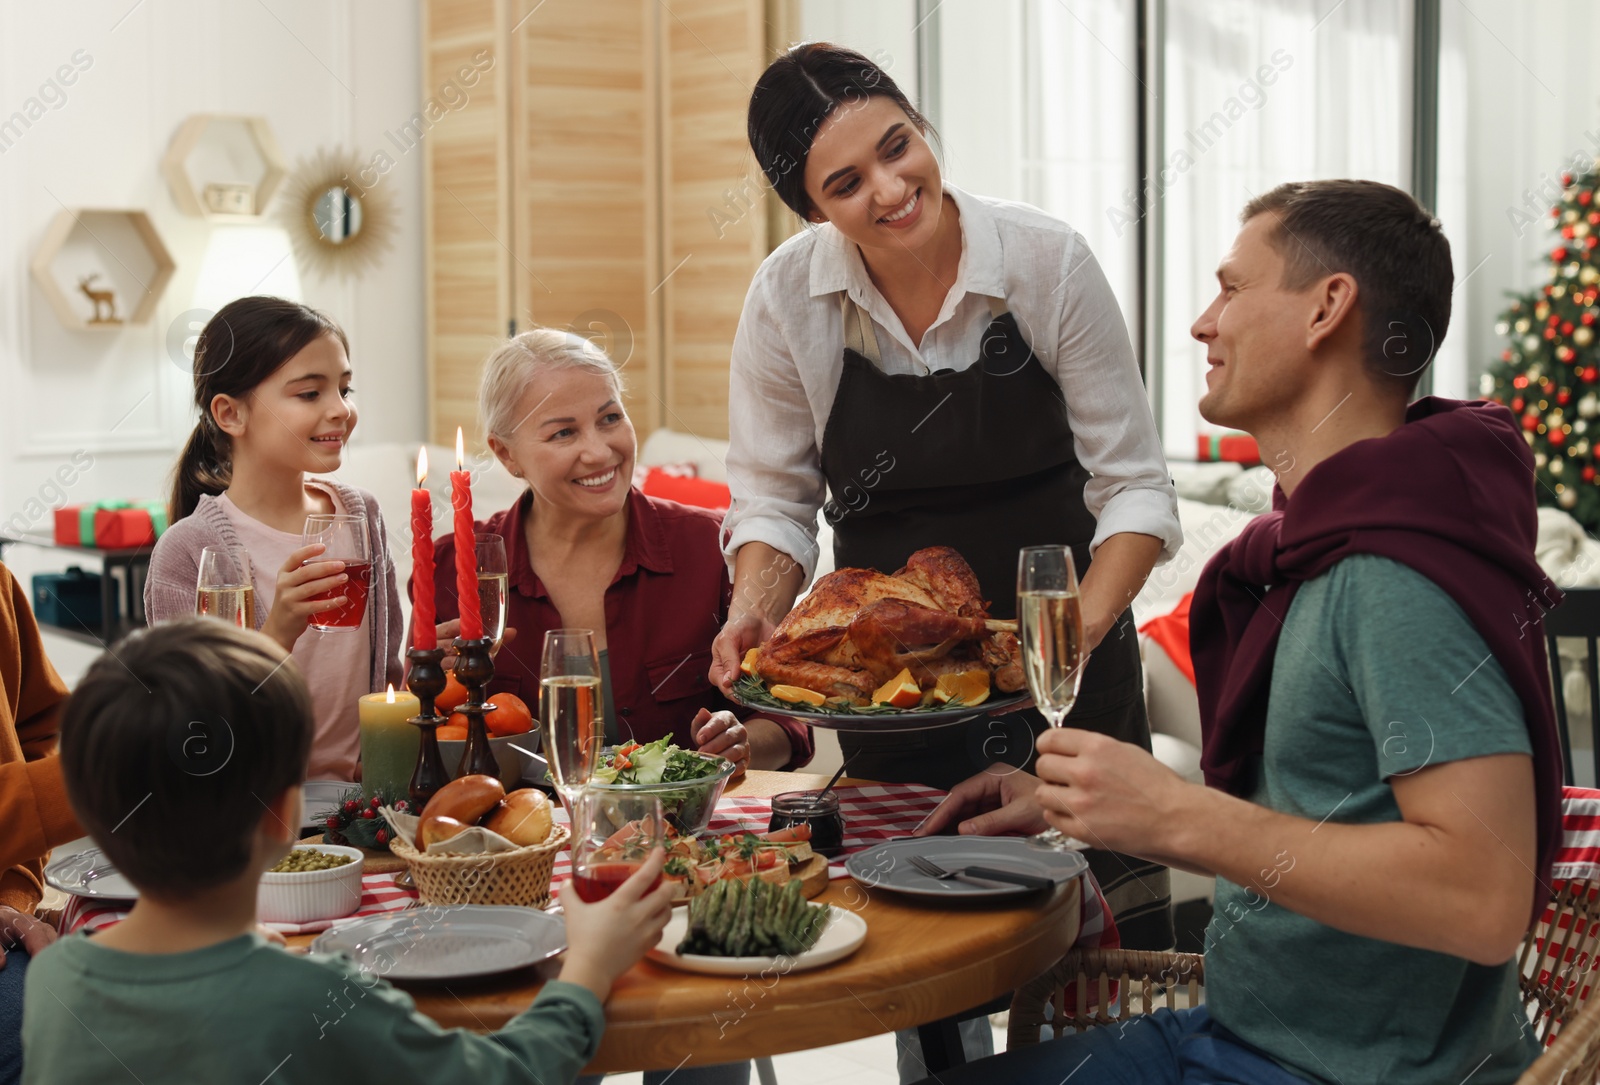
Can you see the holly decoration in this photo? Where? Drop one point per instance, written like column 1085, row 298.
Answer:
column 1549, row 373
column 356, row 822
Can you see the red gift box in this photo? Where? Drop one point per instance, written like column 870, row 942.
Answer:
column 1228, row 448
column 123, row 529
column 67, row 526
column 703, row 492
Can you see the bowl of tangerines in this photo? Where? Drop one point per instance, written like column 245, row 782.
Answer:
column 512, row 735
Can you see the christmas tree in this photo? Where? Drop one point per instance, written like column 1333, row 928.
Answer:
column 1549, row 373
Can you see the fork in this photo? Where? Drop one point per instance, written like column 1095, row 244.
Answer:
column 979, row 875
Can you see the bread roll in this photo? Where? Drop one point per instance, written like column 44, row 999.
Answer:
column 466, row 799
column 437, row 828
column 524, row 818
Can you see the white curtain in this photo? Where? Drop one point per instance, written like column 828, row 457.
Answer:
column 1258, row 92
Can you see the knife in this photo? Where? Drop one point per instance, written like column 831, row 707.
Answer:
column 1031, row 881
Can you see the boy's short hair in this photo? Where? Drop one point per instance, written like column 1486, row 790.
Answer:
column 1391, row 245
column 173, row 744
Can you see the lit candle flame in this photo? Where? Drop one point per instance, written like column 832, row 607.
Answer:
column 460, row 453
column 422, row 465
column 391, row 693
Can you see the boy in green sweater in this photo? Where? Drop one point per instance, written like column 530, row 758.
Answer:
column 183, row 755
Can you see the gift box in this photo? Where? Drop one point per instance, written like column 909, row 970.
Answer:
column 1228, row 448
column 70, row 600
column 111, row 525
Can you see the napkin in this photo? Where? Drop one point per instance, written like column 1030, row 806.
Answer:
column 476, row 840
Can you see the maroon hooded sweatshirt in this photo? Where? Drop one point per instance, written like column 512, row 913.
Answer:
column 1451, row 494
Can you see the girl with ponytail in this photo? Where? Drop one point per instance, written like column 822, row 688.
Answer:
column 272, row 385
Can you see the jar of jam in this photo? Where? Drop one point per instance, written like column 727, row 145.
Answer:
column 812, row 808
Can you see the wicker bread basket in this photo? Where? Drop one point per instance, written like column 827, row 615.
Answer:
column 508, row 877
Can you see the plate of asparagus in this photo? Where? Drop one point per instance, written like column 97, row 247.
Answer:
column 739, row 927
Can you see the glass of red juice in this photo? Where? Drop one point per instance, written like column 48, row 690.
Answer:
column 345, row 539
column 614, row 835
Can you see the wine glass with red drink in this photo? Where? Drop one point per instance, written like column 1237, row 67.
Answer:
column 345, row 539
column 615, row 834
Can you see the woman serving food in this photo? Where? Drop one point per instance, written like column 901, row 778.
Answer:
column 956, row 372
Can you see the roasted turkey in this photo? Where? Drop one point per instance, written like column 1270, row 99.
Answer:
column 858, row 628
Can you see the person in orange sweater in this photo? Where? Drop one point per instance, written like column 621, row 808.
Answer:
column 33, row 804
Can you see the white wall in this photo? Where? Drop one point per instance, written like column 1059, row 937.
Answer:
column 1532, row 96
column 325, row 73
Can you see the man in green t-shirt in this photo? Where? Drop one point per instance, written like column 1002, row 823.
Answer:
column 183, row 752
column 1378, row 739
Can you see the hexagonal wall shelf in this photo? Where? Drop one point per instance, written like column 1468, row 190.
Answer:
column 114, row 256
column 223, row 167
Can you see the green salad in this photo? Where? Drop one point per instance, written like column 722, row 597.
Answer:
column 658, row 762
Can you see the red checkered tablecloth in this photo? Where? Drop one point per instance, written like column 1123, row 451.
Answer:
column 872, row 814
column 378, row 894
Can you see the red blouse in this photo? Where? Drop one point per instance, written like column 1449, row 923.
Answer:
column 668, row 602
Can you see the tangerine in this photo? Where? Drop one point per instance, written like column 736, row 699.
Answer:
column 452, row 732
column 901, row 691
column 796, row 695
column 505, row 714
column 968, row 687
column 451, row 697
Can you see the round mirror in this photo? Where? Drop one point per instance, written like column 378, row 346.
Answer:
column 337, row 214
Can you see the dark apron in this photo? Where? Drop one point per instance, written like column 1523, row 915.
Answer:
column 981, row 460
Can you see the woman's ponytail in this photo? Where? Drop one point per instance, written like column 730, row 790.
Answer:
column 242, row 345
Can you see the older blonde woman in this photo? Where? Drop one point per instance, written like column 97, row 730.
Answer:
column 585, row 549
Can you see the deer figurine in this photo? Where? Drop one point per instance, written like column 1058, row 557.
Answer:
column 100, row 297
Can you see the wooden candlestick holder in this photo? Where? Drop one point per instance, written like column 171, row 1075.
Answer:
column 474, row 668
column 427, row 681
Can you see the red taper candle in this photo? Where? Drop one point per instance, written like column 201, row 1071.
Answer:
column 423, row 614
column 466, row 547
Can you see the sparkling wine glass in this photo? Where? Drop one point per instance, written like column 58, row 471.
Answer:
column 613, row 835
column 1050, row 622
column 571, row 712
column 224, row 588
column 493, row 584
column 345, row 539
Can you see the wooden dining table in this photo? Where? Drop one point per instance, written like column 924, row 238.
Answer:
column 922, row 962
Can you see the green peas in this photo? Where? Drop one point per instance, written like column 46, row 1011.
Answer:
column 301, row 860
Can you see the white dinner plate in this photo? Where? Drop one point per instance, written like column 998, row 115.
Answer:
column 841, row 937
column 89, row 873
column 318, row 797
column 444, row 943
column 887, row 865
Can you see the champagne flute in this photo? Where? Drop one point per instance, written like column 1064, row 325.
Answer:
column 493, row 584
column 1050, row 621
column 571, row 712
column 612, row 837
column 224, row 588
column 345, row 539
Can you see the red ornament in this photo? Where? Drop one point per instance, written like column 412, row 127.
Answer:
column 1566, row 328
column 1519, row 381
column 381, row 836
column 1588, row 474
column 1566, row 179
column 1589, row 241
column 1584, row 197
column 1563, row 397
column 1590, row 373
column 1558, row 255
column 1549, row 333
column 1565, row 353
column 375, row 803
column 1530, row 422
column 1517, row 405
column 1557, row 438
column 369, row 812
column 332, row 823
column 1568, row 231
column 1588, row 316
column 1555, row 212
column 351, row 806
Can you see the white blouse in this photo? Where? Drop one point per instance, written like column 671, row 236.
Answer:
column 788, row 359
